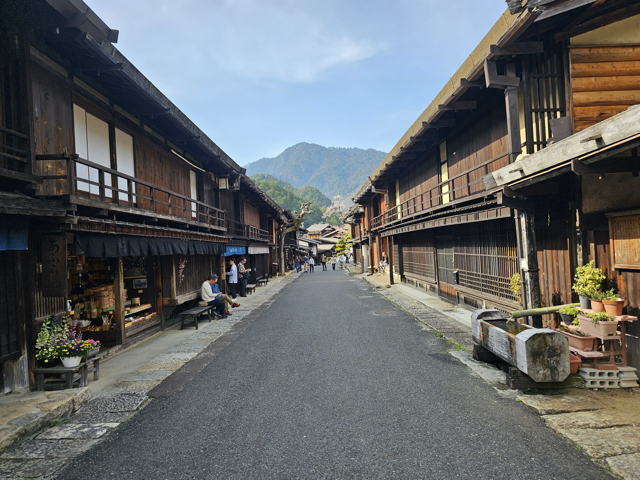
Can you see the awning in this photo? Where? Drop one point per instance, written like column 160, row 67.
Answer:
column 231, row 251
column 260, row 250
column 14, row 234
column 111, row 246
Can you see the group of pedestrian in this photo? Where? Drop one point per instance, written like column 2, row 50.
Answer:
column 210, row 290
column 307, row 263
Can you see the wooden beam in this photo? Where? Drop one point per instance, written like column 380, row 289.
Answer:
column 523, row 48
column 19, row 176
column 453, row 106
column 493, row 80
column 613, row 165
column 425, row 138
column 513, row 114
column 118, row 292
column 510, row 202
column 439, row 124
column 469, row 84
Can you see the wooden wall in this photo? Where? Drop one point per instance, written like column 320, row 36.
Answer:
column 554, row 264
column 52, row 126
column 160, row 168
column 421, row 178
column 227, row 203
column 251, row 215
column 605, row 81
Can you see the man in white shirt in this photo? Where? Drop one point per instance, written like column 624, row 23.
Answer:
column 312, row 263
column 232, row 277
column 210, row 293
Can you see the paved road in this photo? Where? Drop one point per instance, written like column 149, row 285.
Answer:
column 331, row 381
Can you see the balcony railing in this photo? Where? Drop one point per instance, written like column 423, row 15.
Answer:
column 14, row 155
column 89, row 183
column 465, row 184
column 238, row 229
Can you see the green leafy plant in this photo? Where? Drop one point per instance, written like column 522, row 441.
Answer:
column 587, row 280
column 600, row 317
column 569, row 310
column 515, row 285
column 54, row 331
column 598, row 296
column 610, row 296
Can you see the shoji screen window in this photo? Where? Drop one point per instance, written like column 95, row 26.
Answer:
column 444, row 173
column 124, row 162
column 193, row 180
column 92, row 144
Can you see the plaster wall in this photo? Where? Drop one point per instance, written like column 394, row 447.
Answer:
column 626, row 31
column 614, row 192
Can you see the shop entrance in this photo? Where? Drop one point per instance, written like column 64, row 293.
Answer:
column 446, row 266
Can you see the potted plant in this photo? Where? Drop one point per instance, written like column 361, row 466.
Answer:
column 613, row 304
column 93, row 347
column 596, row 301
column 577, row 339
column 568, row 314
column 54, row 330
column 598, row 323
column 586, row 282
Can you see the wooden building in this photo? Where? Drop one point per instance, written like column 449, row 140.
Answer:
column 543, row 73
column 112, row 202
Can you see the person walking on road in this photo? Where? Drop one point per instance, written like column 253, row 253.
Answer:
column 333, row 262
column 341, row 261
column 305, row 261
column 232, row 275
column 298, row 267
column 312, row 264
column 323, row 261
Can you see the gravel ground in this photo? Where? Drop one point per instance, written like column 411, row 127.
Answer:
column 332, row 381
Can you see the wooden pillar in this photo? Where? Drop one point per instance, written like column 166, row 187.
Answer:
column 157, row 271
column 513, row 115
column 174, row 287
column 391, row 259
column 529, row 265
column 118, row 291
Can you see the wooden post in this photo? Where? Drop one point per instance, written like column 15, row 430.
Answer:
column 391, row 259
column 529, row 266
column 118, row 291
column 513, row 115
column 157, row 270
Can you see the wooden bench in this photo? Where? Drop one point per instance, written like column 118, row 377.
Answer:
column 194, row 313
column 64, row 377
column 93, row 366
column 263, row 281
column 250, row 288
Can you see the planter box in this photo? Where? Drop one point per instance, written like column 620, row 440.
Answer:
column 603, row 329
column 613, row 307
column 581, row 343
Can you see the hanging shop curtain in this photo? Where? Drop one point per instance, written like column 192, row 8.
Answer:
column 258, row 250
column 231, row 251
column 111, row 246
column 14, row 234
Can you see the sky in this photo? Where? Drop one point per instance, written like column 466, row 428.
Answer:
column 258, row 76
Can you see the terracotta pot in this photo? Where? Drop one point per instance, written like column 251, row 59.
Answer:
column 574, row 363
column 581, row 343
column 614, row 307
column 597, row 306
column 603, row 329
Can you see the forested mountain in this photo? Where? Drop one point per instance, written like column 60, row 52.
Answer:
column 287, row 196
column 333, row 171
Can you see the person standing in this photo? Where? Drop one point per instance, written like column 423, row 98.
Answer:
column 333, row 262
column 323, row 261
column 243, row 276
column 298, row 267
column 312, row 264
column 305, row 261
column 232, row 277
column 341, row 261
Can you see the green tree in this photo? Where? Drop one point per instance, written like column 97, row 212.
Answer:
column 344, row 244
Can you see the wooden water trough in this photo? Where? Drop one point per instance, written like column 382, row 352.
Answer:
column 541, row 353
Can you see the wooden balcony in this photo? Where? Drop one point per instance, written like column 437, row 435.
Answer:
column 461, row 187
column 91, row 185
column 250, row 232
column 15, row 157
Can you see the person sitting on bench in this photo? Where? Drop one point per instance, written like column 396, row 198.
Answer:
column 210, row 293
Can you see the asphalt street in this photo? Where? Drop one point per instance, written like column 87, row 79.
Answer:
column 332, row 381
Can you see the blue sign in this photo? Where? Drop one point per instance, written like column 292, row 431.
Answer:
column 231, row 251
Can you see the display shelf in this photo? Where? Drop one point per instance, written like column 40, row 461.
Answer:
column 139, row 309
column 132, row 329
column 135, row 276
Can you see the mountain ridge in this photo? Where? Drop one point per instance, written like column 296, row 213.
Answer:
column 332, row 170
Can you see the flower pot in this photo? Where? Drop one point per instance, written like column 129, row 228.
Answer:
column 51, row 363
column 597, row 306
column 584, row 302
column 566, row 319
column 71, row 361
column 93, row 353
column 581, row 343
column 613, row 307
column 574, row 363
column 603, row 329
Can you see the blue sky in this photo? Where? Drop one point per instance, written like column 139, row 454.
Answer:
column 258, row 76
